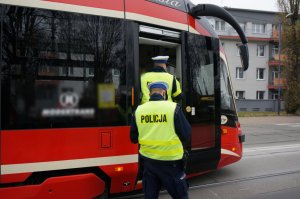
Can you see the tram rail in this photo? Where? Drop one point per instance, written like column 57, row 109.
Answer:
column 215, row 184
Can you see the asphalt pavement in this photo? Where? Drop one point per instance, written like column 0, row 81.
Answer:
column 269, row 168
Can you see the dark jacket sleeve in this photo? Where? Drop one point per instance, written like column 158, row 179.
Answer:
column 182, row 126
column 134, row 134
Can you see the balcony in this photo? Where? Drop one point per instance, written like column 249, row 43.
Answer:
column 275, row 63
column 274, row 60
column 278, row 82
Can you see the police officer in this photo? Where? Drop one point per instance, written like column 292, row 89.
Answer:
column 159, row 73
column 161, row 129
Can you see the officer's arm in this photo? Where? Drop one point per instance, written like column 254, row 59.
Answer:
column 134, row 134
column 176, row 90
column 182, row 126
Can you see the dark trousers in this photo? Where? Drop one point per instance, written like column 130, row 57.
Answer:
column 171, row 176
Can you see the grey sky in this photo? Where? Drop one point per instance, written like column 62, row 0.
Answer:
column 267, row 5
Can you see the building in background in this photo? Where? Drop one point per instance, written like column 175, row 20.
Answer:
column 262, row 80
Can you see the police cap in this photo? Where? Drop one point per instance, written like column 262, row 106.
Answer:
column 160, row 59
column 162, row 85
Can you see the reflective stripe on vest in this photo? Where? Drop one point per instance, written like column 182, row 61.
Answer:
column 178, row 89
column 150, row 77
column 157, row 137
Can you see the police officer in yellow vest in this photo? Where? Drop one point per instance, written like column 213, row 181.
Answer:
column 162, row 131
column 159, row 73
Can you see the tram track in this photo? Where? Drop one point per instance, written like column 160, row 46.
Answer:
column 266, row 153
column 245, row 179
column 272, row 149
column 248, row 152
column 221, row 183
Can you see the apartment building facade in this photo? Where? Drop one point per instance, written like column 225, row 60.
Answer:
column 263, row 79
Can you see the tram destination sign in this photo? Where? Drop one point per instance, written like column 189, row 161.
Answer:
column 176, row 4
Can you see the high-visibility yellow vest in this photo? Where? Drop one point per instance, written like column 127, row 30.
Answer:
column 157, row 137
column 150, row 77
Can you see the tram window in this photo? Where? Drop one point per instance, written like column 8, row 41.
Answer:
column 62, row 70
column 227, row 103
column 201, row 78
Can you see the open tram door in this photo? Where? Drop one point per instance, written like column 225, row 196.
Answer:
column 202, row 101
column 194, row 62
column 203, row 89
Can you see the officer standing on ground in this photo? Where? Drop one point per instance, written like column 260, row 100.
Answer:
column 159, row 73
column 162, row 131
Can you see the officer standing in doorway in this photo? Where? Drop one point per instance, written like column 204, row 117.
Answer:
column 161, row 130
column 159, row 73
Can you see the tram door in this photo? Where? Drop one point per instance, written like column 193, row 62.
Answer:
column 154, row 42
column 202, row 101
column 194, row 62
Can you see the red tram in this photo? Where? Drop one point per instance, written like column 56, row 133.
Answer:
column 70, row 74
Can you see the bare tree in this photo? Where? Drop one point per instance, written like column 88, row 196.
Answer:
column 291, row 47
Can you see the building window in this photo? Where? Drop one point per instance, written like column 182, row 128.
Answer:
column 275, row 74
column 91, row 71
column 237, row 50
column 275, row 96
column 260, row 95
column 242, row 25
column 71, row 70
column 260, row 51
column 64, row 70
column 275, row 50
column 260, row 74
column 220, row 25
column 240, row 94
column 239, row 73
column 258, row 28
column 68, row 71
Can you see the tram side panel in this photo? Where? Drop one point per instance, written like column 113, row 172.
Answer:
column 37, row 152
column 231, row 134
column 56, row 94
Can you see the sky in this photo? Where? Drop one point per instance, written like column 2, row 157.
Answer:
column 266, row 5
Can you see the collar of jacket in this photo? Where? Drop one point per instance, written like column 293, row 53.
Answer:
column 156, row 97
column 158, row 69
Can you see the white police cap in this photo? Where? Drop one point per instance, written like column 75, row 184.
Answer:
column 160, row 59
column 162, row 85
